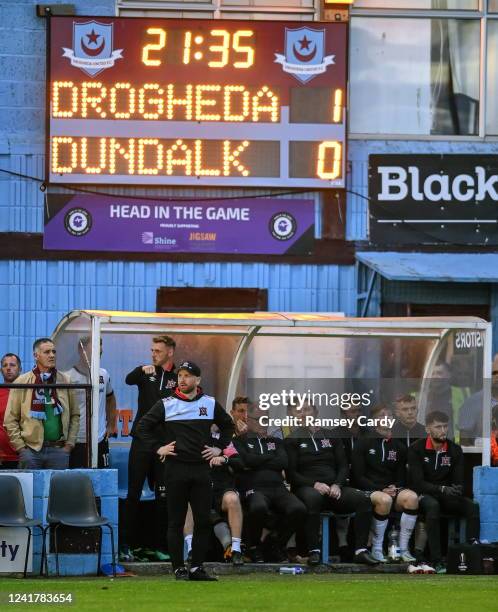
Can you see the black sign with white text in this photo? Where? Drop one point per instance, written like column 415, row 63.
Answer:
column 433, row 199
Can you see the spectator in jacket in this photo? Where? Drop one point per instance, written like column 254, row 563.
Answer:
column 11, row 368
column 43, row 423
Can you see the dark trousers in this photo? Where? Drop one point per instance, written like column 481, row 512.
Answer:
column 188, row 483
column 432, row 507
column 351, row 500
column 78, row 457
column 260, row 503
column 144, row 464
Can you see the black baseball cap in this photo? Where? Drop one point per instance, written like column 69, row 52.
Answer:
column 191, row 367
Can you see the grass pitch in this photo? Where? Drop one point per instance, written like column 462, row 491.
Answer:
column 265, row 593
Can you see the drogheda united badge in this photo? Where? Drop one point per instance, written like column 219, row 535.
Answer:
column 78, row 221
column 92, row 49
column 304, row 53
column 282, row 226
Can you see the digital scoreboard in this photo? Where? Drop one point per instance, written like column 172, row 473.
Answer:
column 197, row 102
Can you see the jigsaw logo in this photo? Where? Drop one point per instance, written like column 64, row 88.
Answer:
column 304, row 53
column 92, row 49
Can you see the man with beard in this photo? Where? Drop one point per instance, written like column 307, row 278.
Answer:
column 436, row 473
column 178, row 430
column 407, row 429
column 317, row 471
column 379, row 468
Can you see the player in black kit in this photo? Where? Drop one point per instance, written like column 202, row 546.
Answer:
column 154, row 382
column 178, row 429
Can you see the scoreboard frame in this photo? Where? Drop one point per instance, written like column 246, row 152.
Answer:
column 187, row 114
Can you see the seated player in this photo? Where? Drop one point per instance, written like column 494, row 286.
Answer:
column 238, row 413
column 436, row 473
column 379, row 468
column 407, row 429
column 262, row 487
column 226, row 503
column 317, row 472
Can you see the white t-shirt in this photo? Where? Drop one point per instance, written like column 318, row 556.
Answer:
column 105, row 389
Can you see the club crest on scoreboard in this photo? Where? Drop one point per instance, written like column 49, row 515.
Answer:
column 92, row 49
column 304, row 53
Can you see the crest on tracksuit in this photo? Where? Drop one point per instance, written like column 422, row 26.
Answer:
column 304, row 53
column 92, row 49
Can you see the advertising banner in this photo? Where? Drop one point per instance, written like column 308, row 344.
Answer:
column 433, row 199
column 246, row 226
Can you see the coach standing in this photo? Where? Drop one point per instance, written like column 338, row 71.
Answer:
column 178, row 429
column 154, row 382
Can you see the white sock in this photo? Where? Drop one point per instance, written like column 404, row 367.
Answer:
column 192, row 569
column 406, row 526
column 379, row 530
column 222, row 532
column 188, row 542
column 235, row 544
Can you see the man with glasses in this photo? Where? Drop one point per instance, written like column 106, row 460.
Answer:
column 43, row 423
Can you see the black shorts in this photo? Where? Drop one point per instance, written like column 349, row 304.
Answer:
column 218, row 500
column 369, row 493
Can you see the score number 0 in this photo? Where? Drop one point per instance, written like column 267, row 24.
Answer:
column 227, row 41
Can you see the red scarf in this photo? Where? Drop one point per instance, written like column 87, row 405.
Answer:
column 41, row 398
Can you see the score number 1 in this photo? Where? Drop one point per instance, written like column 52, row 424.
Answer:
column 227, row 41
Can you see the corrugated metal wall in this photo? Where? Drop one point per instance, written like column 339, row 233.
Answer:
column 35, row 295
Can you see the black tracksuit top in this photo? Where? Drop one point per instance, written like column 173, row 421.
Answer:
column 429, row 469
column 408, row 436
column 151, row 388
column 263, row 459
column 188, row 422
column 378, row 462
column 223, row 476
column 315, row 457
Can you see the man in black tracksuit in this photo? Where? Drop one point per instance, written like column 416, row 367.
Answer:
column 407, row 429
column 226, row 501
column 178, row 429
column 154, row 382
column 262, row 486
column 317, row 472
column 435, row 467
column 379, row 468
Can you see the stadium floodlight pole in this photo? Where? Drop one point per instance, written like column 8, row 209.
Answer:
column 94, row 376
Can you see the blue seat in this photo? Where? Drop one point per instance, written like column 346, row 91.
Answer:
column 325, row 520
column 119, row 461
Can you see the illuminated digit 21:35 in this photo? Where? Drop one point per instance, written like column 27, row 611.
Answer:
column 223, row 43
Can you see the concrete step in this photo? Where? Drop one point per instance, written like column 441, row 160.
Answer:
column 227, row 569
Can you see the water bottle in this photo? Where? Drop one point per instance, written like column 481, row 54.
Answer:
column 291, row 570
column 393, row 550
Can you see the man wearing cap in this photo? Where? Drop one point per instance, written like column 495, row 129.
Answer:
column 178, row 429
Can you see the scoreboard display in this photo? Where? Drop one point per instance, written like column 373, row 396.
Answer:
column 197, row 102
